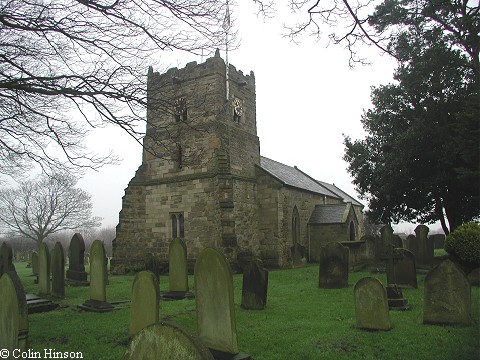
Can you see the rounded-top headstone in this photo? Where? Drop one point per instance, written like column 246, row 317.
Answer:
column 13, row 313
column 6, row 258
column 177, row 265
column 58, row 271
column 371, row 305
column 422, row 231
column 214, row 302
column 76, row 260
column 44, row 270
column 164, row 342
column 98, row 272
column 145, row 302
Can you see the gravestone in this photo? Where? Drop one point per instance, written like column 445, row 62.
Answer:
column 425, row 252
column 411, row 244
column 447, row 296
column 396, row 301
column 34, row 263
column 58, row 271
column 144, row 308
column 214, row 304
column 370, row 247
column 6, row 258
column 98, row 281
column 386, row 241
column 371, row 305
column 438, row 241
column 177, row 271
column 401, row 269
column 254, row 286
column 298, row 255
column 333, row 270
column 76, row 274
column 13, row 314
column 44, row 270
column 166, row 341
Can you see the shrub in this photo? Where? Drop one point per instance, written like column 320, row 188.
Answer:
column 464, row 243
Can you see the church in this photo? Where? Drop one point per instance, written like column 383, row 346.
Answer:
column 202, row 179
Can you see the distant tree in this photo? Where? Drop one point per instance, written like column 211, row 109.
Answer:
column 68, row 66
column 420, row 159
column 37, row 209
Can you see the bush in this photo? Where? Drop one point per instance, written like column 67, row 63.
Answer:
column 464, row 243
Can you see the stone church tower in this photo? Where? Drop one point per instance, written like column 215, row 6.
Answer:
column 198, row 180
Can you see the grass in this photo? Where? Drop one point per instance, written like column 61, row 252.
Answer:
column 301, row 321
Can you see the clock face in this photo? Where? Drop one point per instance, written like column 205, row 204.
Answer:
column 237, row 107
column 180, row 105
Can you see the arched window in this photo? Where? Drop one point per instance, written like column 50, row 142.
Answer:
column 178, row 225
column 295, row 226
column 352, row 231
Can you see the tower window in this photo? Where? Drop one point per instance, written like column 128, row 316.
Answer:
column 178, row 225
column 180, row 110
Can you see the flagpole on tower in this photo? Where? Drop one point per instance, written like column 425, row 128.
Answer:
column 226, row 28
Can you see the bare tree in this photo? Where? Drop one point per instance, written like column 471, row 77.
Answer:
column 69, row 66
column 38, row 209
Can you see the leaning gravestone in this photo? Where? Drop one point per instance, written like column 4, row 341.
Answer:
column 58, row 271
column 98, row 281
column 401, row 271
column 447, row 296
column 6, row 258
column 44, row 270
column 425, row 251
column 76, row 274
column 214, row 304
column 254, row 286
column 166, row 341
column 34, row 263
column 13, row 314
column 333, row 271
column 371, row 305
column 177, row 271
column 145, row 302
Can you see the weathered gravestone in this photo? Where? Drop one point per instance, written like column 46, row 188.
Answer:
column 474, row 277
column 370, row 248
column 214, row 304
column 396, row 301
column 58, row 271
column 6, row 258
column 13, row 314
column 401, row 269
column 177, row 271
column 438, row 241
column 144, row 308
column 411, row 244
column 371, row 305
column 298, row 255
column 34, row 263
column 164, row 342
column 254, row 286
column 333, row 270
column 44, row 270
column 386, row 240
column 447, row 296
column 98, row 280
column 425, row 251
column 76, row 274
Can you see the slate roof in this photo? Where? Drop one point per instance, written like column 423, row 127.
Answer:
column 294, row 177
column 328, row 214
column 291, row 176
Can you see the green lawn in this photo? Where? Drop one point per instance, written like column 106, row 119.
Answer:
column 301, row 321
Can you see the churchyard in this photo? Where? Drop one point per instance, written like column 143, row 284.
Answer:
column 300, row 321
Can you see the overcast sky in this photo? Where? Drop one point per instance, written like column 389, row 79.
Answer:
column 307, row 97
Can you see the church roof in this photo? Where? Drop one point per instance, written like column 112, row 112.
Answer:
column 292, row 176
column 330, row 214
